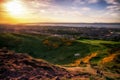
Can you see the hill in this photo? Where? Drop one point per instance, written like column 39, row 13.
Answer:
column 23, row 67
column 54, row 49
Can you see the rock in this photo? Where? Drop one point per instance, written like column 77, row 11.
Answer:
column 77, row 54
column 57, row 78
column 4, row 50
column 24, row 67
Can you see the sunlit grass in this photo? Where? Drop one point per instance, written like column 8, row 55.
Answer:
column 97, row 42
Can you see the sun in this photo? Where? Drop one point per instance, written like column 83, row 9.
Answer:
column 15, row 8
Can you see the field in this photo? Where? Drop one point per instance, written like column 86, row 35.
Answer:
column 53, row 49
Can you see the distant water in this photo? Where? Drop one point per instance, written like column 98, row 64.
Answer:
column 97, row 25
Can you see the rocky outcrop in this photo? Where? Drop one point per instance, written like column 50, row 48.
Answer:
column 16, row 66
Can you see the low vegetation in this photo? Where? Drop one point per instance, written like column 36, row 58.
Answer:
column 54, row 49
column 99, row 54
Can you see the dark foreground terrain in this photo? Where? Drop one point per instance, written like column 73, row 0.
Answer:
column 23, row 67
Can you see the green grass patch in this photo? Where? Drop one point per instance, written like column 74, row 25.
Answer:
column 53, row 49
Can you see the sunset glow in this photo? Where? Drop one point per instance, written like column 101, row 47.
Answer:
column 15, row 8
column 78, row 11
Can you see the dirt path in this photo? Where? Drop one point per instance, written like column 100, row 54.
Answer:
column 93, row 72
column 87, row 69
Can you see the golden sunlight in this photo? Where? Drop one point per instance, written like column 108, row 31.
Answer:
column 15, row 8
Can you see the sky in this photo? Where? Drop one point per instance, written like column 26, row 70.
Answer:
column 73, row 11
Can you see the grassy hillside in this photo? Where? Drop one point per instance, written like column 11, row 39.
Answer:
column 56, row 50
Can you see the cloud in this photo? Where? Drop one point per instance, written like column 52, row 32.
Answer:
column 74, row 10
column 47, row 9
column 37, row 3
column 85, row 1
column 86, row 9
column 113, row 11
column 114, row 7
column 92, row 1
column 112, row 1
